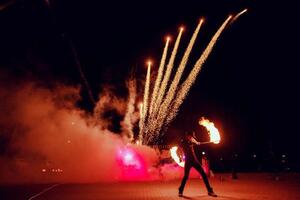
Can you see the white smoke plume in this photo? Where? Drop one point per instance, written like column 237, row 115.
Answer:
column 131, row 115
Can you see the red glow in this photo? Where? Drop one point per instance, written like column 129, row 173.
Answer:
column 132, row 164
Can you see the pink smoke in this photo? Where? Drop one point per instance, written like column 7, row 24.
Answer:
column 49, row 139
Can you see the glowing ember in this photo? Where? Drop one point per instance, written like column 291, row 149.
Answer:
column 175, row 157
column 212, row 130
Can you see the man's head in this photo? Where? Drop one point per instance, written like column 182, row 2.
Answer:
column 188, row 134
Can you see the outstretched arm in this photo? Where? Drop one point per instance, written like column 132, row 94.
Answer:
column 194, row 141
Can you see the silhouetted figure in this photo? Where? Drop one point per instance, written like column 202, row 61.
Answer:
column 234, row 166
column 273, row 162
column 187, row 144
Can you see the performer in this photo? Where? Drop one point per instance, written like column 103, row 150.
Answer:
column 187, row 144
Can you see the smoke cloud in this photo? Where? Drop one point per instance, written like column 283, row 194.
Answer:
column 45, row 137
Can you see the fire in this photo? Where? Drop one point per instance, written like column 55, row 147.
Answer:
column 212, row 130
column 175, row 157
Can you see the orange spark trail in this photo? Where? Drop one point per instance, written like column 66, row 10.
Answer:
column 145, row 101
column 165, row 81
column 185, row 87
column 238, row 15
column 141, row 123
column 172, row 89
column 159, row 75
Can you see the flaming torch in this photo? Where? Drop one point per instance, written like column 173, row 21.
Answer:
column 213, row 132
column 174, row 155
column 214, row 136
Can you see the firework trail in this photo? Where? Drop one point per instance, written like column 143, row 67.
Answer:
column 79, row 67
column 159, row 75
column 146, row 93
column 172, row 89
column 238, row 15
column 165, row 80
column 145, row 101
column 151, row 125
column 141, row 124
column 164, row 107
column 67, row 39
column 128, row 121
column 185, row 87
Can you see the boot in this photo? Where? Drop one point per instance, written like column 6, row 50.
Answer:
column 180, row 192
column 211, row 193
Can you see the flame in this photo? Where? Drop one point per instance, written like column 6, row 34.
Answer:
column 175, row 157
column 212, row 130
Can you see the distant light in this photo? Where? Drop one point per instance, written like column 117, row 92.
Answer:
column 72, row 123
column 203, row 153
column 254, row 155
column 44, row 170
column 283, row 156
column 221, row 158
column 168, row 38
column 68, row 141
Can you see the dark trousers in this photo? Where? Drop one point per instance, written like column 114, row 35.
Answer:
column 187, row 167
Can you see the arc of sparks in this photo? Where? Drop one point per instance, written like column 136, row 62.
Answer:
column 165, row 102
column 159, row 75
column 146, row 100
column 172, row 89
column 187, row 84
column 167, row 75
column 238, row 15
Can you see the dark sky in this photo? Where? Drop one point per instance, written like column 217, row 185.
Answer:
column 249, row 85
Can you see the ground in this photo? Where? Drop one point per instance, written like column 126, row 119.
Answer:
column 246, row 187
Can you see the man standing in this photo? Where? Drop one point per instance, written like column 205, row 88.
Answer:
column 187, row 144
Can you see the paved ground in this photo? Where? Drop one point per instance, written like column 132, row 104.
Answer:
column 247, row 187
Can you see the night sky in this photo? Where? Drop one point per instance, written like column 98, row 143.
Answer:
column 249, row 85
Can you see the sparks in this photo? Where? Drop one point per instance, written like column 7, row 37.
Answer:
column 239, row 14
column 166, row 101
column 167, row 75
column 146, row 99
column 159, row 75
column 172, row 89
column 187, row 84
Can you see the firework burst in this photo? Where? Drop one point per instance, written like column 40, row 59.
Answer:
column 166, row 101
